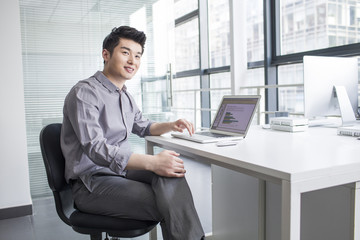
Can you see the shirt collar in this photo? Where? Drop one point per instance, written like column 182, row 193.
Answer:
column 107, row 83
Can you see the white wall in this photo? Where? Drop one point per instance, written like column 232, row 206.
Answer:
column 14, row 171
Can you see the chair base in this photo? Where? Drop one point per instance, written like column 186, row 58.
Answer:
column 96, row 236
column 87, row 223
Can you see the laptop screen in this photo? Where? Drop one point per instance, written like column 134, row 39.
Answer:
column 235, row 114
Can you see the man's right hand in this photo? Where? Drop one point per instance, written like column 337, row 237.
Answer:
column 168, row 164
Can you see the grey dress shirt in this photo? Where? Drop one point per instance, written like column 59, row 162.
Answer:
column 98, row 119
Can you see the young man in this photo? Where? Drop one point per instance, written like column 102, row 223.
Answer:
column 106, row 176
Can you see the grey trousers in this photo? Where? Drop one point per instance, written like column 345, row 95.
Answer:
column 143, row 195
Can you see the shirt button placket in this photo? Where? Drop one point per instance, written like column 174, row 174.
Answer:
column 122, row 112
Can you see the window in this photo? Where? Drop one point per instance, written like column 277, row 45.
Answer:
column 255, row 31
column 292, row 29
column 183, row 7
column 219, row 33
column 328, row 24
column 187, row 45
column 202, row 59
column 219, row 53
column 254, row 82
column 328, row 29
column 291, row 92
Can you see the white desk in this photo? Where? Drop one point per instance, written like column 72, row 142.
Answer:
column 299, row 162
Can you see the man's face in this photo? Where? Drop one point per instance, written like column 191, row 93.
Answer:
column 125, row 59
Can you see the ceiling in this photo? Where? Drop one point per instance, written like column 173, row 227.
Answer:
column 81, row 11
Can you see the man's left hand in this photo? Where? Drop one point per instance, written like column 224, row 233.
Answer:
column 181, row 124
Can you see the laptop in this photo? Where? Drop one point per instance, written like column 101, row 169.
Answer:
column 231, row 122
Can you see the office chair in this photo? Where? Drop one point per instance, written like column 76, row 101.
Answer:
column 81, row 222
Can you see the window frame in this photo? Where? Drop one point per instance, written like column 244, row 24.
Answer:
column 204, row 71
column 272, row 58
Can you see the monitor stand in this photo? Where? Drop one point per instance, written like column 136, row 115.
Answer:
column 347, row 114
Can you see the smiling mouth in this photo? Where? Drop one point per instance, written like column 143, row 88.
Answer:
column 129, row 69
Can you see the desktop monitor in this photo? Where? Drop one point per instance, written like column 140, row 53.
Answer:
column 321, row 75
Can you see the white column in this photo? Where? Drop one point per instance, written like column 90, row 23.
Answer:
column 238, row 45
column 14, row 170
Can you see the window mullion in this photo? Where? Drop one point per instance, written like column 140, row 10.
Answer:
column 204, row 62
column 271, row 94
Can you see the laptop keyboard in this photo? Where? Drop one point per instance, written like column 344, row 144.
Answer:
column 210, row 134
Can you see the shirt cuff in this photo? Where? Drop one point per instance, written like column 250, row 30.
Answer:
column 147, row 130
column 119, row 164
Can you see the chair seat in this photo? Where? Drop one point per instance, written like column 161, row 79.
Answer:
column 90, row 223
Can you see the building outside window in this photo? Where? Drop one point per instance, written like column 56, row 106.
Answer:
column 304, row 26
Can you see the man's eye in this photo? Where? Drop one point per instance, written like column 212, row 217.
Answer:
column 138, row 56
column 126, row 53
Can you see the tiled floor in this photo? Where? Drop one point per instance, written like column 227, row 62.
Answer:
column 44, row 224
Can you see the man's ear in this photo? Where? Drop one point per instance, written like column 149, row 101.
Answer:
column 105, row 55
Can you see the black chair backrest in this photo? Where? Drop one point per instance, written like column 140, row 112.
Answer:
column 55, row 168
column 52, row 155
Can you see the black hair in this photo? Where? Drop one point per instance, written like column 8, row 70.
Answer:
column 112, row 40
